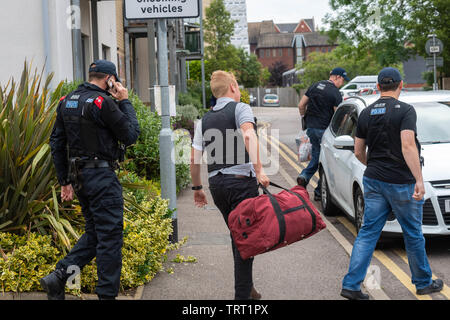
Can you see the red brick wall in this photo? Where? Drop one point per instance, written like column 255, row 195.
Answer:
column 287, row 57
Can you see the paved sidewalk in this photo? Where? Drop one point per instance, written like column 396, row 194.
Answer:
column 309, row 269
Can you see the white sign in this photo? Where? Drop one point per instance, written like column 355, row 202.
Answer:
column 173, row 104
column 161, row 9
column 435, row 49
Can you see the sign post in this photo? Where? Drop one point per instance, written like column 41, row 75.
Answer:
column 434, row 47
column 141, row 10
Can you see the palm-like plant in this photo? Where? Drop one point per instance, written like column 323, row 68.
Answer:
column 27, row 177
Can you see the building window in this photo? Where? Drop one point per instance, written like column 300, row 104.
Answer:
column 106, row 52
column 280, row 52
column 274, row 52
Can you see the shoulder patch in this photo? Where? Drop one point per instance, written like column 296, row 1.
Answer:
column 99, row 101
column 62, row 98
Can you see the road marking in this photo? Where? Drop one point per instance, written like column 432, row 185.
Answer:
column 381, row 256
column 445, row 290
column 286, row 157
column 391, row 265
column 377, row 294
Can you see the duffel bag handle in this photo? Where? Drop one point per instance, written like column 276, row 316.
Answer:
column 272, row 184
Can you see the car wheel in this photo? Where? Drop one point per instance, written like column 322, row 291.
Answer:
column 328, row 207
column 359, row 209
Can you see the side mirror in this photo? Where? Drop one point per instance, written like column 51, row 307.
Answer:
column 344, row 143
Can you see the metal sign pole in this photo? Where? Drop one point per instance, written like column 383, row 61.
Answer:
column 166, row 147
column 202, row 49
column 435, row 85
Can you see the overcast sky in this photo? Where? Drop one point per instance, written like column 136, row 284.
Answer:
column 284, row 11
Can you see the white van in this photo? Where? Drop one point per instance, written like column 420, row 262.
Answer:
column 357, row 84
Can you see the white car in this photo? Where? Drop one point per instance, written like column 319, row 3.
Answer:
column 357, row 84
column 342, row 173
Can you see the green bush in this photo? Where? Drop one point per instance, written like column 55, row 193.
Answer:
column 25, row 259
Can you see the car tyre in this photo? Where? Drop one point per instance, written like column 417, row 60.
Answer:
column 358, row 201
column 328, row 207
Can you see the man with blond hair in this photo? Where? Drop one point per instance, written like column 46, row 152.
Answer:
column 227, row 134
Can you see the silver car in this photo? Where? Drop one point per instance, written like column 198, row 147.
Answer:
column 341, row 172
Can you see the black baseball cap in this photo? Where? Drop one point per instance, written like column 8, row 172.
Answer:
column 340, row 72
column 389, row 75
column 104, row 66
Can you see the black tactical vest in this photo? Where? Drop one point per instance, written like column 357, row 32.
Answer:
column 223, row 141
column 87, row 138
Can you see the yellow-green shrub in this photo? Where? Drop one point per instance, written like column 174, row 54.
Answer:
column 26, row 259
column 245, row 96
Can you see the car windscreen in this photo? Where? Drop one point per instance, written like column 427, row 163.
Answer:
column 433, row 122
column 271, row 97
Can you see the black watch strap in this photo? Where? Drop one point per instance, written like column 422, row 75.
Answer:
column 197, row 188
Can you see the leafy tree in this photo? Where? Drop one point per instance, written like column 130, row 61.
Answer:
column 355, row 62
column 218, row 31
column 391, row 29
column 276, row 71
column 250, row 71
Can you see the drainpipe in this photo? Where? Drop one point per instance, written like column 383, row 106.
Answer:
column 76, row 42
column 94, row 10
column 47, row 44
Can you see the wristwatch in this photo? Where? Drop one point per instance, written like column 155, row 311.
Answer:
column 200, row 187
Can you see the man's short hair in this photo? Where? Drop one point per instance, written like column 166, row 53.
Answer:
column 220, row 82
column 97, row 75
column 392, row 86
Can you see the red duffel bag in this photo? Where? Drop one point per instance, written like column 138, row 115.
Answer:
column 269, row 222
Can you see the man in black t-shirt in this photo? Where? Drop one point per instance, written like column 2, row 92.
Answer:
column 392, row 183
column 317, row 107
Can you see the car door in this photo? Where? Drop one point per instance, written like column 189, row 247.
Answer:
column 345, row 160
column 329, row 151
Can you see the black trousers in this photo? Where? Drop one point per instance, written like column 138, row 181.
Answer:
column 227, row 192
column 102, row 206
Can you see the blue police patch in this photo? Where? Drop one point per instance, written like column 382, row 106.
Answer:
column 377, row 111
column 72, row 104
column 90, row 100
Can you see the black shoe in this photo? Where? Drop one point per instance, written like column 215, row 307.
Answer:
column 106, row 298
column 301, row 181
column 354, row 295
column 435, row 286
column 54, row 284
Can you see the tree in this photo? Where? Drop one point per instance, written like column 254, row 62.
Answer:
column 218, row 31
column 250, row 71
column 354, row 61
column 276, row 73
column 386, row 27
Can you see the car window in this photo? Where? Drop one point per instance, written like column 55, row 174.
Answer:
column 433, row 122
column 351, row 86
column 271, row 97
column 340, row 117
column 348, row 128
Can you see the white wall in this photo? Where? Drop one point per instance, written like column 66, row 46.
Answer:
column 22, row 37
column 107, row 30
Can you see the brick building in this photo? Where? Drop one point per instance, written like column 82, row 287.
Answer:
column 289, row 43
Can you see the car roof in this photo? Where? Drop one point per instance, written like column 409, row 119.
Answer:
column 364, row 79
column 406, row 96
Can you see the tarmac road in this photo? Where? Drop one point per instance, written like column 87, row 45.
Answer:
column 311, row 269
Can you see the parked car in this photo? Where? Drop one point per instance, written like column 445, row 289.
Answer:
column 342, row 173
column 357, row 84
column 271, row 100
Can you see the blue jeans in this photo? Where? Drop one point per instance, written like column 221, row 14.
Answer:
column 315, row 137
column 380, row 198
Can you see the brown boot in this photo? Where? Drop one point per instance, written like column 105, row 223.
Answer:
column 254, row 295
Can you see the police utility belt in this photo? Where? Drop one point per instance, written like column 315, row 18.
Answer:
column 76, row 164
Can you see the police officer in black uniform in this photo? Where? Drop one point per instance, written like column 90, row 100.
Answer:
column 90, row 135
